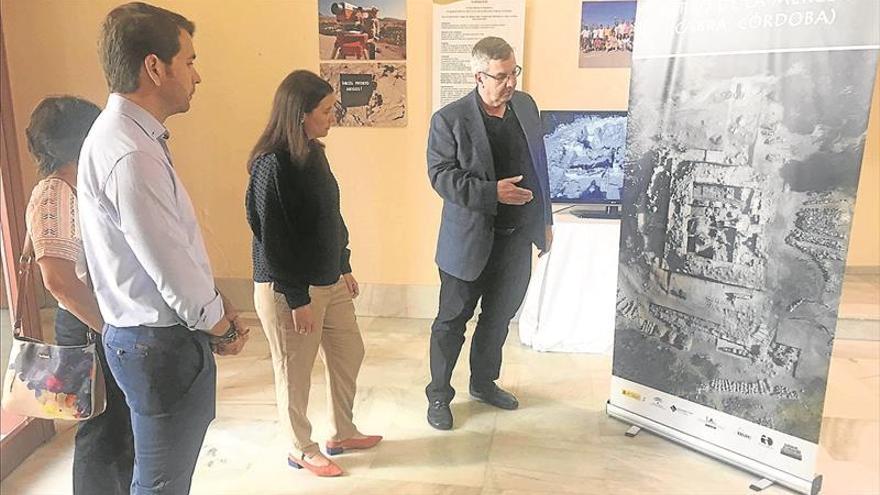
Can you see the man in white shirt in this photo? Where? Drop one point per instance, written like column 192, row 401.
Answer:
column 145, row 253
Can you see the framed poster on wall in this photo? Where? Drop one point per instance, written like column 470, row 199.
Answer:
column 368, row 94
column 607, row 34
column 458, row 25
column 362, row 47
column 374, row 30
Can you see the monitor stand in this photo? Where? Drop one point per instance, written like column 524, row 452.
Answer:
column 596, row 211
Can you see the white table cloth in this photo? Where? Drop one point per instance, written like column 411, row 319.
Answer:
column 570, row 302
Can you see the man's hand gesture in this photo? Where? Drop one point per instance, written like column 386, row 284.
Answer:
column 510, row 194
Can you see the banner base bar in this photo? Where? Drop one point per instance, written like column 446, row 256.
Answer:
column 808, row 487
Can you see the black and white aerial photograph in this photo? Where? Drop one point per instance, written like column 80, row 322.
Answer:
column 740, row 178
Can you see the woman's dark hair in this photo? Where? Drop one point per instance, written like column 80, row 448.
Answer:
column 299, row 93
column 133, row 31
column 57, row 129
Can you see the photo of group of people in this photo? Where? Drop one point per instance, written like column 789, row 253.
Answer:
column 607, row 38
column 607, row 34
column 357, row 44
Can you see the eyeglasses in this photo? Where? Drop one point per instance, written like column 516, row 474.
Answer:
column 504, row 77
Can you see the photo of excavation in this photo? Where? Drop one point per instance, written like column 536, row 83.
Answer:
column 368, row 94
column 738, row 200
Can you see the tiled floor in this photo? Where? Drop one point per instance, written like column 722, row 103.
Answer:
column 559, row 441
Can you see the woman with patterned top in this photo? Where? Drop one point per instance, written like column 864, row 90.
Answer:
column 303, row 286
column 104, row 447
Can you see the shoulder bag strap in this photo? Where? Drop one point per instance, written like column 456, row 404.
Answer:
column 25, row 263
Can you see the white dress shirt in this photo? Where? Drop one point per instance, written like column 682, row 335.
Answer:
column 145, row 252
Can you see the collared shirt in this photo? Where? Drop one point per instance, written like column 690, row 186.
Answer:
column 510, row 154
column 145, row 252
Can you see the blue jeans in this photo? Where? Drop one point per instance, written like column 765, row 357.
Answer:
column 169, row 377
column 103, row 452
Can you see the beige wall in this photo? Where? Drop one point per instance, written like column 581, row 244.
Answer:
column 246, row 47
column 864, row 245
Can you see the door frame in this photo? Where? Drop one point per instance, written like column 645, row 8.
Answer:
column 25, row 435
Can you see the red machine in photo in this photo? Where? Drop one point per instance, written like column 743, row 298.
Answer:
column 357, row 32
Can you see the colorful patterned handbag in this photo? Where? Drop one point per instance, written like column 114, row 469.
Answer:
column 46, row 380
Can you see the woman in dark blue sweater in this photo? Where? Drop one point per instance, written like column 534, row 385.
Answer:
column 303, row 285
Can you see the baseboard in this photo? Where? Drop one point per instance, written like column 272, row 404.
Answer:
column 239, row 291
column 379, row 300
column 852, row 329
column 862, row 270
column 398, row 301
column 420, row 301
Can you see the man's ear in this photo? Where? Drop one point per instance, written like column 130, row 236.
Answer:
column 478, row 78
column 154, row 67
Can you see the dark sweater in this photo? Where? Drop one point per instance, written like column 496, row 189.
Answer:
column 300, row 238
column 510, row 154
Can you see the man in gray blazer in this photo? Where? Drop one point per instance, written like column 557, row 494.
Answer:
column 486, row 160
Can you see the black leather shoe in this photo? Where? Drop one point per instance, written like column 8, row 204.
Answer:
column 495, row 396
column 439, row 415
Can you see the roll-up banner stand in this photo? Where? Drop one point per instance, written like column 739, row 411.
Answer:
column 745, row 137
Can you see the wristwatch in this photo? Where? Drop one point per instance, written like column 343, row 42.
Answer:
column 230, row 335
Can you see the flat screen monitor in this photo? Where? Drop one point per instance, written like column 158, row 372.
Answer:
column 585, row 154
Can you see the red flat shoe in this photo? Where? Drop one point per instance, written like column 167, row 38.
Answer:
column 329, row 471
column 338, row 447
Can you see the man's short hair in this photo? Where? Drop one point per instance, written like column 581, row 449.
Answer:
column 57, row 129
column 133, row 31
column 488, row 49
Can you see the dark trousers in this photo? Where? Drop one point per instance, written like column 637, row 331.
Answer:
column 169, row 379
column 502, row 287
column 103, row 453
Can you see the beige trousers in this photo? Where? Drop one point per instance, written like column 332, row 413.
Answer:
column 337, row 336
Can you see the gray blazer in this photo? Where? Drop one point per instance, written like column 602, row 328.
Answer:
column 462, row 172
